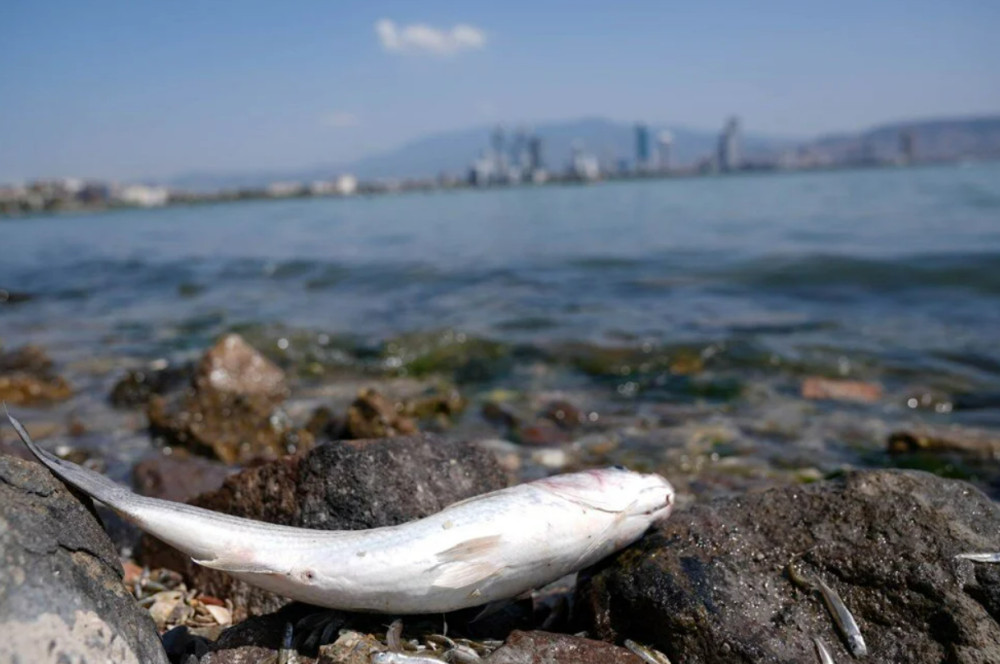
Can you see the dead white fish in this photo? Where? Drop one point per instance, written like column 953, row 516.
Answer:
column 821, row 651
column 842, row 617
column 389, row 657
column 491, row 547
column 980, row 557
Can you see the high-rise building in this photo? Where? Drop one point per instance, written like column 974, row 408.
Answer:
column 907, row 147
column 664, row 142
column 535, row 161
column 641, row 147
column 730, row 158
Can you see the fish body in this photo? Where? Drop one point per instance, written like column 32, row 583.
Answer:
column 491, row 547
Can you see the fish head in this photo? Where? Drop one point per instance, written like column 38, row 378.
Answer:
column 639, row 497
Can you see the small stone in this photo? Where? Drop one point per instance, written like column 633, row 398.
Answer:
column 858, row 391
column 221, row 614
column 350, row 648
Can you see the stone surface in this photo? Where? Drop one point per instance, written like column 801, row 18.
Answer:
column 177, row 477
column 711, row 585
column 546, row 648
column 136, row 387
column 233, row 366
column 837, row 389
column 231, row 410
column 973, row 442
column 27, row 378
column 371, row 415
column 61, row 593
column 338, row 485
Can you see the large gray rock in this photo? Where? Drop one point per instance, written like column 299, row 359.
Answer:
column 711, row 584
column 340, row 485
column 547, row 648
column 61, row 594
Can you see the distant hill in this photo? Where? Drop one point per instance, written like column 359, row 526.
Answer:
column 935, row 139
column 452, row 152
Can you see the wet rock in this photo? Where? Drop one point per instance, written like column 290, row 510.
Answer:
column 136, row 387
column 465, row 359
column 500, row 415
column 27, row 378
column 14, row 297
column 233, row 366
column 229, row 427
column 61, row 591
column 230, row 412
column 542, row 432
column 710, row 584
column 833, row 389
column 177, row 477
column 342, row 485
column 546, row 648
column 563, row 413
column 371, row 415
column 972, row 442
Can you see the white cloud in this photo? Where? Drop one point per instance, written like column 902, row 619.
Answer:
column 341, row 119
column 420, row 38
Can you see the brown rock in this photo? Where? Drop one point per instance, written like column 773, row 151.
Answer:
column 26, row 378
column 972, row 442
column 563, row 413
column 342, row 485
column 545, row 648
column 177, row 477
column 371, row 415
column 542, row 433
column 233, row 366
column 834, row 389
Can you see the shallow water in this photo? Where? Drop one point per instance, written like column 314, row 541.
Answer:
column 716, row 294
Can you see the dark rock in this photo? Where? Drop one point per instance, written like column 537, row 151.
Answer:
column 323, row 424
column 500, row 415
column 27, row 378
column 13, row 297
column 371, row 415
column 973, row 442
column 563, row 413
column 711, row 584
column 546, row 648
column 178, row 477
column 137, row 386
column 61, row 591
column 542, row 433
column 341, row 485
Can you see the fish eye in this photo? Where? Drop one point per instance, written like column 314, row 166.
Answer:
column 618, row 466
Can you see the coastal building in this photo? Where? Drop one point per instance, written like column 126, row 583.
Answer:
column 142, row 195
column 664, row 145
column 729, row 153
column 642, row 153
column 584, row 165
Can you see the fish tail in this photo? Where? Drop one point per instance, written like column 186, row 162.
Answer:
column 91, row 483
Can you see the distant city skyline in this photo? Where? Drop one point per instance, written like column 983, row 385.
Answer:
column 116, row 90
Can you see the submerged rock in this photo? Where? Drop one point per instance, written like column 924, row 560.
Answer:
column 972, row 442
column 61, row 591
column 547, row 648
column 711, row 584
column 836, row 389
column 340, row 485
column 136, row 387
column 27, row 378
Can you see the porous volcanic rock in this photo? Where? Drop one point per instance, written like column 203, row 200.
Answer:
column 178, row 477
column 547, row 648
column 711, row 584
column 61, row 593
column 338, row 485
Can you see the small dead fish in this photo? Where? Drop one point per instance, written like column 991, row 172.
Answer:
column 980, row 557
column 462, row 654
column 824, row 655
column 646, row 654
column 842, row 617
column 394, row 636
column 401, row 658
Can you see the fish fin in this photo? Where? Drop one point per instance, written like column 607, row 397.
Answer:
column 494, row 607
column 470, row 549
column 464, row 574
column 601, row 538
column 237, row 564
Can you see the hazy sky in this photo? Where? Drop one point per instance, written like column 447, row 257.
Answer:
column 149, row 89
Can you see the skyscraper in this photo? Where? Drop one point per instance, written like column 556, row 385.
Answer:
column 730, row 158
column 535, row 161
column 641, row 147
column 663, row 143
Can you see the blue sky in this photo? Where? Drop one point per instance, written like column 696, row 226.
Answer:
column 140, row 89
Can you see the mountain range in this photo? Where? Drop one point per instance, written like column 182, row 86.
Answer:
column 452, row 152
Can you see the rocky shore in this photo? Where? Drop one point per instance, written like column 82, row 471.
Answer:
column 716, row 582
